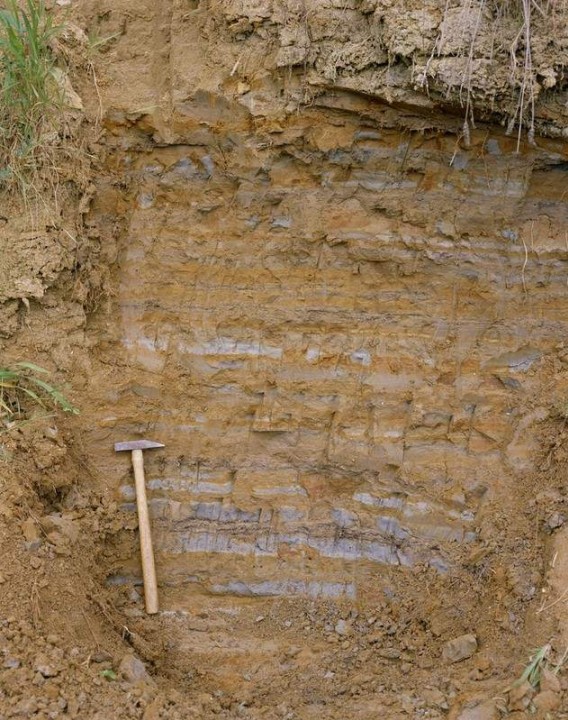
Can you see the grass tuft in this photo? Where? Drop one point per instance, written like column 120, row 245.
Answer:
column 539, row 661
column 533, row 670
column 23, row 384
column 31, row 98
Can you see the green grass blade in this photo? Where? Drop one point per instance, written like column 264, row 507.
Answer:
column 30, row 102
column 34, row 396
column 57, row 397
column 32, row 366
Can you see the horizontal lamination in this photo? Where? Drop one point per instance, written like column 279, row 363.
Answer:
column 336, row 345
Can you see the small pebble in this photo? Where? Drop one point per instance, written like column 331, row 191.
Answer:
column 38, row 679
column 101, row 656
column 555, row 521
column 132, row 669
column 342, row 628
column 389, row 653
column 292, row 651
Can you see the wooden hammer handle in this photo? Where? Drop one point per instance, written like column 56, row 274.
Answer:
column 146, row 550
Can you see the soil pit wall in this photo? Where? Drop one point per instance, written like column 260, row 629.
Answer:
column 346, row 326
column 342, row 334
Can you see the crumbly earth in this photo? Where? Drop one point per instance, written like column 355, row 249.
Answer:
column 282, row 253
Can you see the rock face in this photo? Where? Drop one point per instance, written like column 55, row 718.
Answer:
column 334, row 318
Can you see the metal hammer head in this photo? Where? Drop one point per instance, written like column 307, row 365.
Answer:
column 137, row 445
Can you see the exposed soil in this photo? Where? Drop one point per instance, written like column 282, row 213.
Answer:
column 280, row 254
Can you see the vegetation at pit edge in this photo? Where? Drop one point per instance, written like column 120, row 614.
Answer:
column 23, row 384
column 31, row 98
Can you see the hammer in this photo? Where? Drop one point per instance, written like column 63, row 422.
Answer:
column 148, row 567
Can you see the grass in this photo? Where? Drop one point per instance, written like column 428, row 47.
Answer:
column 24, row 384
column 533, row 670
column 109, row 674
column 31, row 99
column 540, row 660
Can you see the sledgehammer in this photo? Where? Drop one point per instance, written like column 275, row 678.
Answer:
column 146, row 550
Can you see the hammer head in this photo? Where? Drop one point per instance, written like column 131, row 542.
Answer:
column 137, row 445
